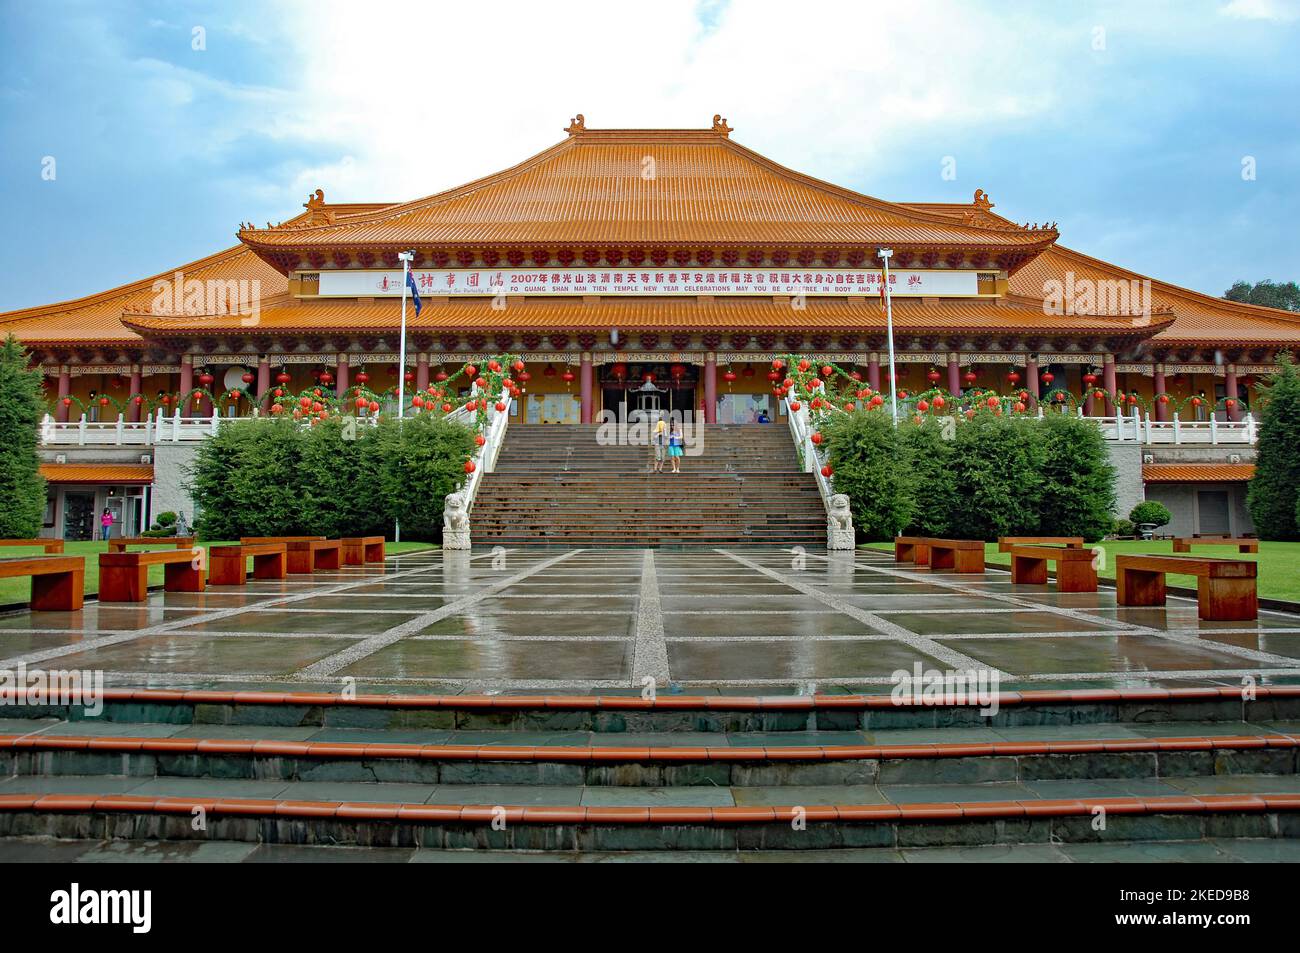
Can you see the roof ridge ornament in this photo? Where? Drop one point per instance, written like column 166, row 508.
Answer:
column 720, row 126
column 576, row 125
column 982, row 200
column 317, row 213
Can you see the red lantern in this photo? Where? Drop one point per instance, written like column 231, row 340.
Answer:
column 777, row 365
column 446, row 408
column 374, row 406
column 165, row 399
column 992, row 402
column 440, row 376
column 932, row 376
column 361, row 403
column 1196, row 402
column 472, row 405
column 619, row 371
column 1019, row 407
column 103, row 402
column 67, row 401
column 139, row 400
column 1163, row 398
column 304, row 402
column 1229, row 403
column 1059, row 397
column 827, row 370
column 922, row 405
column 938, row 403
column 317, row 406
column 773, row 376
column 1047, row 377
column 469, row 466
column 902, row 395
column 277, row 409
column 206, row 379
column 494, row 366
column 568, row 377
column 549, row 371
column 518, row 366
column 326, row 377
column 417, row 401
column 849, row 408
column 729, row 376
column 827, row 471
column 876, row 400
column 816, row 438
column 525, row 376
column 283, row 378
column 804, row 365
column 471, row 370
column 1090, row 378
column 247, row 377
column 856, row 376
column 1013, row 377
column 970, row 377
column 794, row 405
column 480, row 439
column 362, row 377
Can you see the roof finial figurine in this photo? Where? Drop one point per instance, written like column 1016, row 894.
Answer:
column 576, row 125
column 315, row 200
column 317, row 213
column 720, row 126
column 982, row 200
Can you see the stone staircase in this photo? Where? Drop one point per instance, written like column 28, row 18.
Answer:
column 557, row 486
column 1190, row 774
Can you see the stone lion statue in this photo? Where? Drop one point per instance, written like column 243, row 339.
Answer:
column 455, row 521
column 839, row 523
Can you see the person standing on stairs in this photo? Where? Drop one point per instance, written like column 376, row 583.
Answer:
column 660, row 441
column 675, row 445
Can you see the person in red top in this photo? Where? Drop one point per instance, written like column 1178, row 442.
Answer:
column 106, row 523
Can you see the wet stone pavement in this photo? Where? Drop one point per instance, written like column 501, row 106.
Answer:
column 698, row 621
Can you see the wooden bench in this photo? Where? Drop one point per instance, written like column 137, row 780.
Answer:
column 251, row 540
column 1006, row 542
column 359, row 550
column 226, row 563
column 120, row 544
column 51, row 546
column 124, row 577
column 912, row 549
column 58, row 582
column 959, row 555
column 1074, row 567
column 1184, row 544
column 308, row 555
column 1225, row 587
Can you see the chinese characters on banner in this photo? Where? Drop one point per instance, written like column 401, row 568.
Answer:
column 649, row 281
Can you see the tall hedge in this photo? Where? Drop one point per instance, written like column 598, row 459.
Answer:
column 22, row 488
column 274, row 477
column 1271, row 494
column 872, row 469
column 998, row 464
column 930, row 458
column 1078, row 492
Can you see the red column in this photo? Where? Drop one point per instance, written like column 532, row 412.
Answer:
column 421, row 372
column 1108, row 381
column 1158, row 385
column 341, row 383
column 585, row 387
column 132, row 408
column 873, row 371
column 1031, row 379
column 710, row 388
column 65, row 388
column 954, row 375
column 187, row 385
column 263, row 380
column 1230, row 391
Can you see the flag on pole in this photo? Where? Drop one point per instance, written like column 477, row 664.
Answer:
column 415, row 292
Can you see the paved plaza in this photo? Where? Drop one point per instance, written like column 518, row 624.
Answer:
column 697, row 621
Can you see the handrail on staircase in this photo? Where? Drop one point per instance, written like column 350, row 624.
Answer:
column 459, row 504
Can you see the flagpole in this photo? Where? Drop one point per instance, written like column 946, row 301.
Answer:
column 406, row 258
column 885, row 254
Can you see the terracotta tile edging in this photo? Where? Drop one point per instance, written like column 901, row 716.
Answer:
column 484, row 814
column 569, row 754
column 675, row 702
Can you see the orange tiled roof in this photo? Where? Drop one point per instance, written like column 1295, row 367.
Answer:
column 738, row 313
column 97, row 472
column 592, row 188
column 1197, row 472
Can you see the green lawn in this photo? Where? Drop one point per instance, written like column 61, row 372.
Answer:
column 16, row 591
column 1279, row 563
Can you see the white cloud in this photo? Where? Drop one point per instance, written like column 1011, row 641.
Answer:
column 1278, row 11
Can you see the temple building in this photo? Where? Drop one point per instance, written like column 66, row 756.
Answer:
column 619, row 258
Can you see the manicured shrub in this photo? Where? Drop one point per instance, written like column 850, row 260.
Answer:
column 934, row 481
column 274, row 477
column 998, row 464
column 1123, row 529
column 1271, row 494
column 166, row 518
column 1078, row 490
column 22, row 488
column 1151, row 512
column 872, row 468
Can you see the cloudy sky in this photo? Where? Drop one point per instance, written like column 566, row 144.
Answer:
column 1130, row 123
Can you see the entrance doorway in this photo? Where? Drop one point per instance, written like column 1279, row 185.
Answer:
column 78, row 516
